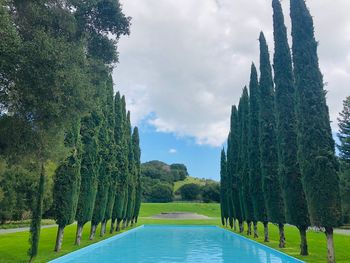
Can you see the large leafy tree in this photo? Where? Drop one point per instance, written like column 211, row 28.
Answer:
column 243, row 165
column 289, row 171
column 258, row 200
column 268, row 143
column 316, row 145
column 45, row 90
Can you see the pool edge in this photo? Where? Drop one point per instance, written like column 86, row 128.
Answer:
column 92, row 246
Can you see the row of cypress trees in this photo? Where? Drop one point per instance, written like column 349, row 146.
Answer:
column 280, row 165
column 100, row 178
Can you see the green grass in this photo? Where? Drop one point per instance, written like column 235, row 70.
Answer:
column 13, row 247
column 25, row 223
column 188, row 180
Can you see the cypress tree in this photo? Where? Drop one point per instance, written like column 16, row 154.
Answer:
column 289, row 171
column 223, row 188
column 246, row 197
column 344, row 132
column 121, row 161
column 256, row 190
column 316, row 151
column 88, row 171
column 234, row 159
column 268, row 143
column 131, row 175
column 230, row 174
column 67, row 183
column 112, row 168
column 104, row 172
column 137, row 158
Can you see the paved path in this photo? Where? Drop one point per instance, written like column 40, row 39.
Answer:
column 342, row 231
column 20, row 229
column 180, row 215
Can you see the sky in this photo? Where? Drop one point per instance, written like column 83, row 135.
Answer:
column 186, row 62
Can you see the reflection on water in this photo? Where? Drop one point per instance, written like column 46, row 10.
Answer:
column 175, row 244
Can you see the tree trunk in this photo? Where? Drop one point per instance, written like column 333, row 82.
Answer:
column 266, row 232
column 124, row 224
column 59, row 238
column 241, row 227
column 234, row 225
column 249, row 228
column 282, row 243
column 132, row 222
column 136, row 219
column 330, row 245
column 118, row 225
column 103, row 228
column 256, row 235
column 78, row 235
column 127, row 222
column 303, row 241
column 92, row 231
column 112, row 226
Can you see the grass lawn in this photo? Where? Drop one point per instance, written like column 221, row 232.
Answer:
column 13, row 247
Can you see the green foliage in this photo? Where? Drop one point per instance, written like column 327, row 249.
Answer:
column 268, row 141
column 223, row 188
column 289, row 171
column 89, row 168
column 161, row 193
column 67, row 179
column 190, row 192
column 210, row 193
column 137, row 159
column 344, row 131
column 232, row 162
column 243, row 165
column 255, row 179
column 316, row 151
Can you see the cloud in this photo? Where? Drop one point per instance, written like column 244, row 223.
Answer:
column 172, row 151
column 186, row 61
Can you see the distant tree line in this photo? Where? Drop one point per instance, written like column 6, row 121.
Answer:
column 280, row 165
column 158, row 181
column 66, row 141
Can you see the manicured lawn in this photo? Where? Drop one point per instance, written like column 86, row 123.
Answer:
column 13, row 247
column 25, row 223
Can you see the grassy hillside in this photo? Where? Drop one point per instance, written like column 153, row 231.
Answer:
column 189, row 180
column 13, row 247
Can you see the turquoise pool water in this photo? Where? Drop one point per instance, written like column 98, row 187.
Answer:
column 175, row 244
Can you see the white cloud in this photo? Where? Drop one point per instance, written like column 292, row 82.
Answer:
column 172, row 151
column 187, row 61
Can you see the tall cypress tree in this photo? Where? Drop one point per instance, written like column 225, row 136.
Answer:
column 230, row 173
column 344, row 132
column 246, row 197
column 256, row 190
column 234, row 158
column 104, row 172
column 131, row 175
column 268, row 143
column 89, row 172
column 316, row 146
column 137, row 158
column 112, row 167
column 223, row 188
column 67, row 183
column 289, row 171
column 121, row 161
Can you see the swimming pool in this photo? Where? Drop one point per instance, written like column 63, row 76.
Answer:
column 175, row 244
